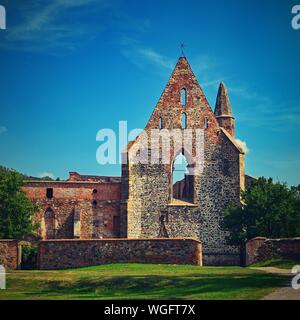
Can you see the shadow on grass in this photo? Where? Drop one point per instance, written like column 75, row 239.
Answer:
column 238, row 286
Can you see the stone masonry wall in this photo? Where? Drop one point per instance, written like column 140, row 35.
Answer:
column 260, row 249
column 59, row 254
column 219, row 184
column 96, row 205
column 9, row 254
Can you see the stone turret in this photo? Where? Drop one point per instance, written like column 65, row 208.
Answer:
column 223, row 110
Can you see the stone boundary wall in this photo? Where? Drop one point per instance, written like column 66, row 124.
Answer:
column 221, row 259
column 260, row 249
column 60, row 254
column 10, row 254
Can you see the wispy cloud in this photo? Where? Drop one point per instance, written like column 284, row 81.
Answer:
column 43, row 25
column 247, row 93
column 46, row 174
column 3, row 129
column 264, row 111
column 212, row 83
column 243, row 145
column 207, row 69
column 144, row 57
column 156, row 58
column 203, row 63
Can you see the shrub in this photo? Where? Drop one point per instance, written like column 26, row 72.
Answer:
column 29, row 257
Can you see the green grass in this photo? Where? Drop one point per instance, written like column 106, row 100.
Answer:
column 141, row 281
column 277, row 263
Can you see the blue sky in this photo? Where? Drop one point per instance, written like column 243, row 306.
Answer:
column 69, row 68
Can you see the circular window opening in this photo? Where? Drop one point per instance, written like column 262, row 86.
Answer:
column 95, row 191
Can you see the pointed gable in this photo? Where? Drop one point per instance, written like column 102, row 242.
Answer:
column 183, row 78
column 182, row 100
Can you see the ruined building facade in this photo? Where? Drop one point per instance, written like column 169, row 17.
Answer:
column 146, row 201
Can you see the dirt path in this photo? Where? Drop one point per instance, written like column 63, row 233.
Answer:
column 285, row 293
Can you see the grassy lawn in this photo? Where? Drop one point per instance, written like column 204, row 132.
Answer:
column 277, row 263
column 141, row 281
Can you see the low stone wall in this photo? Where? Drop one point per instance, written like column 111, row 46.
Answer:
column 10, row 254
column 59, row 254
column 260, row 249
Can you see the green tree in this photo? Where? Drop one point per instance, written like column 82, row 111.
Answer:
column 16, row 209
column 268, row 209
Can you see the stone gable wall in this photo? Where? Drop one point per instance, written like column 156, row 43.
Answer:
column 59, row 254
column 148, row 186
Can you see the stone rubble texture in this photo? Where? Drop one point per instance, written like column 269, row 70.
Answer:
column 58, row 254
column 261, row 249
column 131, row 206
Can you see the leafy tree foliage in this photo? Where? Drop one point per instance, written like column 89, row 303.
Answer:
column 268, row 209
column 16, row 209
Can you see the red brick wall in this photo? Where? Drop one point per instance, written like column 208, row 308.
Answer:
column 9, row 254
column 73, row 190
column 97, row 210
column 59, row 254
column 260, row 249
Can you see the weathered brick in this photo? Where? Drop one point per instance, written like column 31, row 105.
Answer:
column 96, row 211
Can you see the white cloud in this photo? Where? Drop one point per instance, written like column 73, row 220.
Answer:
column 143, row 57
column 248, row 94
column 211, row 83
column 242, row 145
column 156, row 58
column 46, row 174
column 203, row 63
column 42, row 25
column 265, row 111
column 3, row 129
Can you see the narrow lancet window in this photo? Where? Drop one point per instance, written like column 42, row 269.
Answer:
column 161, row 125
column 183, row 120
column 183, row 97
column 206, row 122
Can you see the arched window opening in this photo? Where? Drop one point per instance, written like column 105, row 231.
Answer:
column 183, row 120
column 183, row 97
column 206, row 123
column 183, row 180
column 161, row 125
column 49, row 218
